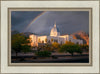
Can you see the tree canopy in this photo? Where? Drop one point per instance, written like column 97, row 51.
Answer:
column 70, row 48
column 69, row 43
column 20, row 43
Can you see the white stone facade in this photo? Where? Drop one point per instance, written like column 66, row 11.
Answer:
column 54, row 37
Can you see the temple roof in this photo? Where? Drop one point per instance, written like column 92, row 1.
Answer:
column 55, row 28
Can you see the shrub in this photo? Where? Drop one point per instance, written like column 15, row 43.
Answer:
column 43, row 53
column 25, row 48
column 63, row 48
column 85, row 47
column 78, row 49
column 70, row 48
column 55, row 45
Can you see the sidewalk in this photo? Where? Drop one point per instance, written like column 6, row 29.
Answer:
column 33, row 54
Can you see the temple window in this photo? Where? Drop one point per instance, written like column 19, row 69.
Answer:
column 42, row 41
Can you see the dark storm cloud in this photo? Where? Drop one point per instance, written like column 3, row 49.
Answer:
column 20, row 19
column 67, row 21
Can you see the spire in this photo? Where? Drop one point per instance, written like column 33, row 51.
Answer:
column 55, row 24
column 55, row 31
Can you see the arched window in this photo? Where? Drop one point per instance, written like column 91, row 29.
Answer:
column 39, row 40
column 42, row 41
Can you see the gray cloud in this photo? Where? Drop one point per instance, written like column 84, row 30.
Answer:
column 67, row 21
column 20, row 19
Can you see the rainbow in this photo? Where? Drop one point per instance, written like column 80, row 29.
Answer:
column 33, row 20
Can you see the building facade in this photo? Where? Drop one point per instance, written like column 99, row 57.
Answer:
column 54, row 37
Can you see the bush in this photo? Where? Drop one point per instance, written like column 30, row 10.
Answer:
column 70, row 48
column 25, row 48
column 47, row 47
column 85, row 47
column 43, row 53
column 63, row 48
column 55, row 45
column 78, row 50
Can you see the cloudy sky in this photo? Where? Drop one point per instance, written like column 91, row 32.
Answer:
column 41, row 22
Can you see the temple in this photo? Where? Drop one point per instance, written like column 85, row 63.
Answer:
column 54, row 37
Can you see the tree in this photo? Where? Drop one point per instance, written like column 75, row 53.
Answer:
column 19, row 42
column 74, row 48
column 67, row 48
column 78, row 49
column 43, row 53
column 63, row 48
column 70, row 48
column 25, row 48
column 47, row 47
column 55, row 45
column 69, row 43
column 85, row 47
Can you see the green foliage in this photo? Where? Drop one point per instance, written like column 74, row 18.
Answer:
column 39, row 48
column 47, row 47
column 44, row 53
column 79, row 51
column 85, row 47
column 26, row 48
column 55, row 46
column 70, row 48
column 63, row 48
column 74, row 48
column 51, row 47
column 19, row 42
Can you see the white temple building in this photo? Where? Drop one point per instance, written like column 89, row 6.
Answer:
column 54, row 37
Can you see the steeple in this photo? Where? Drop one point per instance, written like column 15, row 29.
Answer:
column 55, row 24
column 54, row 31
